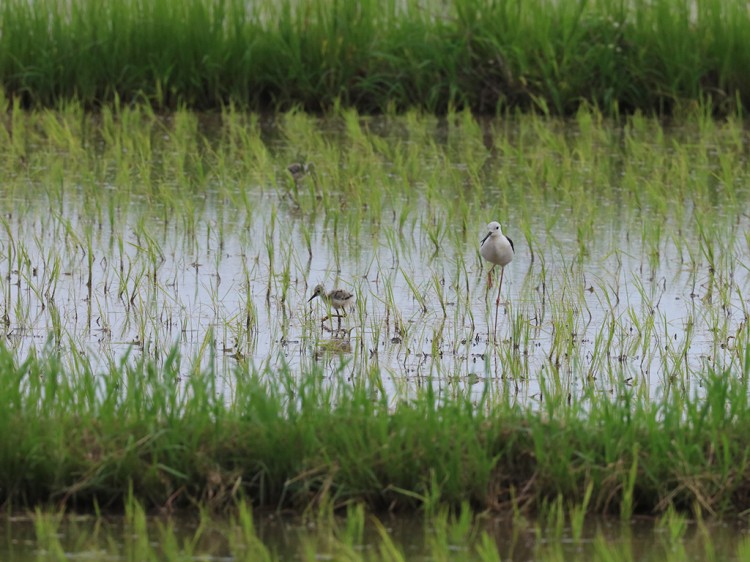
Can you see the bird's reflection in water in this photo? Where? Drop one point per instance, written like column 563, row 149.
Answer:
column 334, row 345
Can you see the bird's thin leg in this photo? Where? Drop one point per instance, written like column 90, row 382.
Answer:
column 489, row 278
column 502, row 271
column 323, row 321
column 339, row 328
column 494, row 332
column 497, row 302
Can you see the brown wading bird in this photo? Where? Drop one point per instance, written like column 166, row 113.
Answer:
column 497, row 249
column 339, row 299
column 299, row 171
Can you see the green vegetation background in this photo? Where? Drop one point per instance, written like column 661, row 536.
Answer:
column 657, row 56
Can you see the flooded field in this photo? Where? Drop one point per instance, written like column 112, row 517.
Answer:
column 162, row 343
column 672, row 538
column 131, row 235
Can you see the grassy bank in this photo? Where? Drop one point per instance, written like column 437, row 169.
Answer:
column 279, row 441
column 652, row 56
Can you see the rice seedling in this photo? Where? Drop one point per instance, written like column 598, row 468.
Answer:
column 577, row 514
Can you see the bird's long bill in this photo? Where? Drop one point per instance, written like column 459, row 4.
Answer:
column 485, row 238
column 311, row 298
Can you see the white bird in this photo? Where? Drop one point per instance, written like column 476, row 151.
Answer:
column 338, row 299
column 497, row 249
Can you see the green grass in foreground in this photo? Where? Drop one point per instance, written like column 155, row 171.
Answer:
column 552, row 56
column 284, row 441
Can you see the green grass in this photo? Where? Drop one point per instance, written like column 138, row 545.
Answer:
column 552, row 57
column 282, row 441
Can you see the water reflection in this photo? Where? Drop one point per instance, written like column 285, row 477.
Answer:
column 286, row 538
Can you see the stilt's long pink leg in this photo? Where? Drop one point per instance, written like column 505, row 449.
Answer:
column 497, row 302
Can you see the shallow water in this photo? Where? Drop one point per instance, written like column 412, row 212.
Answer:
column 87, row 537
column 627, row 295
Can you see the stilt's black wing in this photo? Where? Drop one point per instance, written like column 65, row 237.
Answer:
column 511, row 244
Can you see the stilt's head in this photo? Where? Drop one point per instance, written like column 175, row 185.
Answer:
column 493, row 229
column 317, row 291
column 494, row 226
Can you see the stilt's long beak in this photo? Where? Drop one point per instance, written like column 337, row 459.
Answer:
column 485, row 238
column 311, row 298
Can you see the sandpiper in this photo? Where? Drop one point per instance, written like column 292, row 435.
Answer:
column 339, row 299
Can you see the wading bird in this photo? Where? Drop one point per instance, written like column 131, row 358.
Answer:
column 299, row 170
column 338, row 299
column 497, row 249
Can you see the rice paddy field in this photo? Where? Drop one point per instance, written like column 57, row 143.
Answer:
column 169, row 387
column 160, row 344
column 183, row 241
